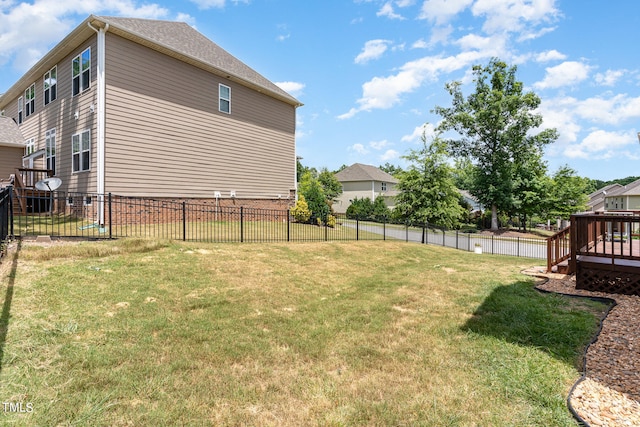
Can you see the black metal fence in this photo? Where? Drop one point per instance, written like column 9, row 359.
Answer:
column 6, row 217
column 97, row 216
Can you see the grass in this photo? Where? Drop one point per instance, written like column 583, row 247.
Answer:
column 149, row 333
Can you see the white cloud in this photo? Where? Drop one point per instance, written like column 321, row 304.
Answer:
column 427, row 130
column 389, row 155
column 373, row 49
column 516, row 15
column 209, row 4
column 358, row 148
column 387, row 10
column 568, row 73
column 218, row 4
column 378, row 145
column 419, row 44
column 601, row 144
column 386, row 92
column 476, row 42
column 609, row 77
column 293, row 88
column 550, row 55
column 442, row 11
column 49, row 21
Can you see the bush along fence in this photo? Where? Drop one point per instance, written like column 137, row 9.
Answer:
column 6, row 217
column 96, row 216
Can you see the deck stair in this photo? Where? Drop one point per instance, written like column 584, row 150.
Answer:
column 25, row 195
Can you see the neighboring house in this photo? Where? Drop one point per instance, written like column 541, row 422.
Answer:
column 471, row 200
column 12, row 149
column 363, row 181
column 625, row 199
column 152, row 108
column 597, row 198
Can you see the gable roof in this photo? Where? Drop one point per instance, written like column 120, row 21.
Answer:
column 631, row 189
column 176, row 39
column 360, row 172
column 10, row 135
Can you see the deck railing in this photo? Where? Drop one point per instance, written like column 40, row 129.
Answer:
column 558, row 248
column 28, row 177
column 609, row 237
column 606, row 252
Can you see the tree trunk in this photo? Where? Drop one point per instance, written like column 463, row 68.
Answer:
column 494, row 218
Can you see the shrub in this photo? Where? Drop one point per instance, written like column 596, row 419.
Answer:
column 300, row 211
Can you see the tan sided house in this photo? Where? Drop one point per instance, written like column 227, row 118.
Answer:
column 138, row 107
column 363, row 181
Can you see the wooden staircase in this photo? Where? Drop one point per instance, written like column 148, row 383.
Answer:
column 559, row 252
column 24, row 181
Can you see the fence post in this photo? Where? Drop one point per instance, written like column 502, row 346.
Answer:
column 406, row 231
column 241, row 224
column 357, row 228
column 326, row 228
column 288, row 226
column 11, row 209
column 384, row 228
column 423, row 231
column 456, row 239
column 443, row 238
column 110, row 221
column 492, row 240
column 518, row 250
column 184, row 221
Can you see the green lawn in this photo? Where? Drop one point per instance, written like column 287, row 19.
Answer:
column 153, row 333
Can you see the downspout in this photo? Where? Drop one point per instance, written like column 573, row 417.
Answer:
column 100, row 112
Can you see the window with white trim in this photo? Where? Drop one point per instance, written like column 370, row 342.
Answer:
column 30, row 147
column 20, row 109
column 50, row 85
column 81, row 151
column 224, row 98
column 81, row 72
column 384, row 186
column 50, row 149
column 30, row 100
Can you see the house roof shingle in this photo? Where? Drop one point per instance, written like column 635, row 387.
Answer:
column 177, row 39
column 360, row 172
column 10, row 134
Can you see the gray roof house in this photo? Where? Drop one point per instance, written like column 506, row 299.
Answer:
column 623, row 198
column 138, row 107
column 597, row 198
column 361, row 181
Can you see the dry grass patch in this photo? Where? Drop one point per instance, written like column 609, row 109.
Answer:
column 153, row 333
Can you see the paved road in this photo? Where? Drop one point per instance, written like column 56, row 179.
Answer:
column 524, row 247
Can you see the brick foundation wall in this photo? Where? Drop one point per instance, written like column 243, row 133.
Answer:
column 133, row 210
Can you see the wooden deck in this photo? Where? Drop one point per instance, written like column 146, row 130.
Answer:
column 602, row 250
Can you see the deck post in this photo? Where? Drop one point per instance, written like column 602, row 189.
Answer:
column 573, row 246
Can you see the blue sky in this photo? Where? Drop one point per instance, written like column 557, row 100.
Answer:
column 369, row 72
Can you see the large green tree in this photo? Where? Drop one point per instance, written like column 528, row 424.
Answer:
column 568, row 193
column 330, row 185
column 495, row 130
column 427, row 190
column 531, row 188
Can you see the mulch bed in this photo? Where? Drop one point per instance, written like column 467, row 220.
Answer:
column 609, row 392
